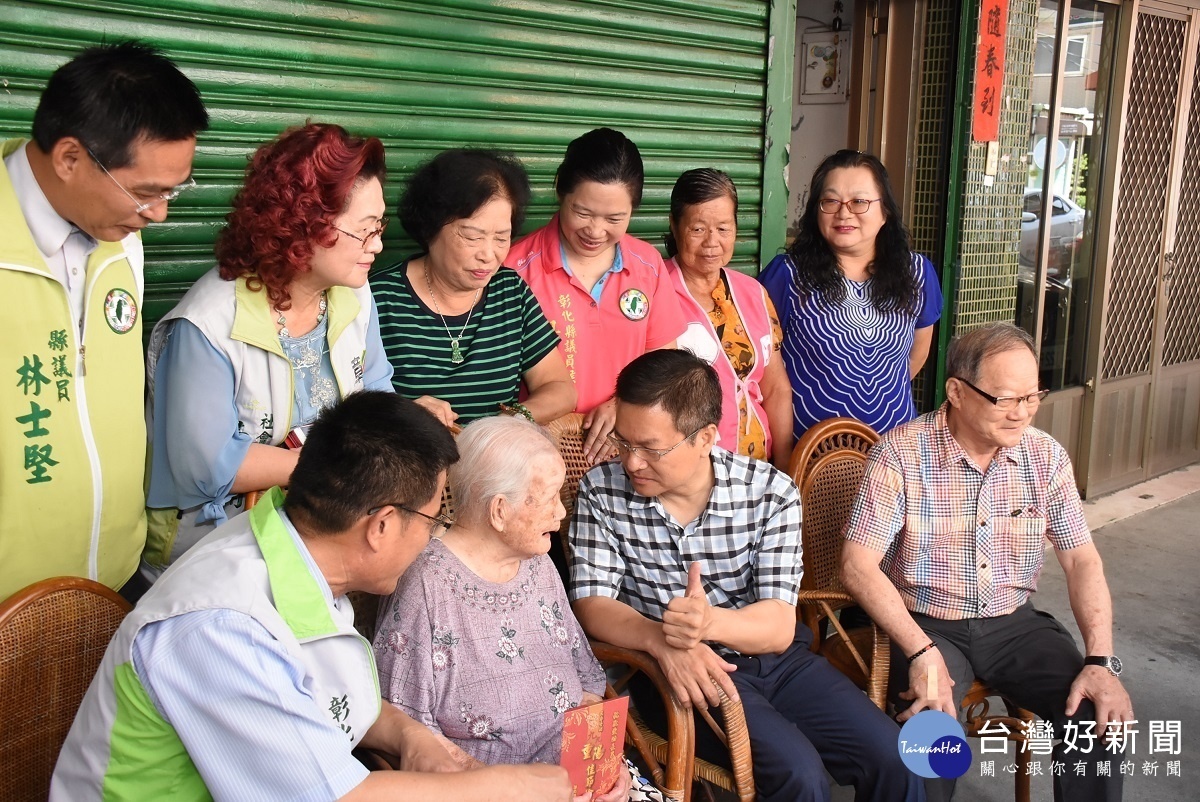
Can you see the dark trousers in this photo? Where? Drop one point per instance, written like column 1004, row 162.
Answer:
column 1029, row 657
column 805, row 717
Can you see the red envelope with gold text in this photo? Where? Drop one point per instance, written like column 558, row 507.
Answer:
column 593, row 744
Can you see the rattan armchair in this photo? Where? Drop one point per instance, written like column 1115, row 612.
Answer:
column 827, row 465
column 671, row 760
column 53, row 635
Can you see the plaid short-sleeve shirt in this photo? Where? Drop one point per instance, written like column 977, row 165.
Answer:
column 626, row 546
column 958, row 543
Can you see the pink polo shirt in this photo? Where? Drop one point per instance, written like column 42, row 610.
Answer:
column 637, row 311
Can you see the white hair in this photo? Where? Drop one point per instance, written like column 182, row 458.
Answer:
column 495, row 458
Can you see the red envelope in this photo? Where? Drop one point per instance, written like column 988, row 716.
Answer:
column 593, row 745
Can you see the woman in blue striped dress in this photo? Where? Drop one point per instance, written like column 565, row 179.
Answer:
column 857, row 306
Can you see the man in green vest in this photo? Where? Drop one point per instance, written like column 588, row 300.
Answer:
column 113, row 138
column 240, row 675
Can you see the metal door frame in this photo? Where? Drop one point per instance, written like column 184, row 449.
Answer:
column 1106, row 238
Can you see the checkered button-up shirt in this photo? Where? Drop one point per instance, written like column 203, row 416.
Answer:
column 627, row 546
column 956, row 542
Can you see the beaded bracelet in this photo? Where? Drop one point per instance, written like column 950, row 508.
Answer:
column 920, row 652
column 517, row 408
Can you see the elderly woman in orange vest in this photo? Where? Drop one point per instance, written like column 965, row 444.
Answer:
column 731, row 322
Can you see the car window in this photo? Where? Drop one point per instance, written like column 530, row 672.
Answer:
column 1058, row 207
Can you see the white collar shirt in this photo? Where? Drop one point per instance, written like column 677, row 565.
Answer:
column 64, row 247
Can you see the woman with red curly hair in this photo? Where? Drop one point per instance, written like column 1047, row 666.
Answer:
column 283, row 327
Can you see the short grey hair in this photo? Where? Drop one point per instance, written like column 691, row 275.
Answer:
column 966, row 353
column 496, row 458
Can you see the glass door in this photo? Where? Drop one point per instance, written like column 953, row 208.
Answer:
column 1071, row 91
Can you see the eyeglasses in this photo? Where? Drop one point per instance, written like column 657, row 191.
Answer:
column 440, row 522
column 143, row 205
column 855, row 205
column 1010, row 402
column 648, row 454
column 366, row 240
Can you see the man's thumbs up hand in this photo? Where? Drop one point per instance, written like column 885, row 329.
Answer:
column 695, row 586
column 687, row 618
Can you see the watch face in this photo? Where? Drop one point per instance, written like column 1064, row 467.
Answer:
column 1114, row 665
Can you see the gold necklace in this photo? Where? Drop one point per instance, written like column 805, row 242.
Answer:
column 456, row 354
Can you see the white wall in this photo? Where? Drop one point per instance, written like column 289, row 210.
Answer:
column 818, row 129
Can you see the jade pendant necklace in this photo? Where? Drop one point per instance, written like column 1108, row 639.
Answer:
column 456, row 354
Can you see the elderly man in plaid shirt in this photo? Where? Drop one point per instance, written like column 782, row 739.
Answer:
column 944, row 547
column 692, row 553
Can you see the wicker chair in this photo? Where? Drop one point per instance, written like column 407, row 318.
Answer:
column 671, row 760
column 827, row 465
column 53, row 635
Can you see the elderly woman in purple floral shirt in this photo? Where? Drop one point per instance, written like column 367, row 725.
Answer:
column 478, row 642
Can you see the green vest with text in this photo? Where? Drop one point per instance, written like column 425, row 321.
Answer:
column 72, row 421
column 121, row 748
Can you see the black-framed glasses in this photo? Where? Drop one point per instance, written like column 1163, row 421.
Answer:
column 370, row 235
column 439, row 523
column 1010, row 402
column 855, row 205
column 143, row 205
column 648, row 454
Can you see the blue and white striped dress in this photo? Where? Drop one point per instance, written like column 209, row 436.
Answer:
column 849, row 359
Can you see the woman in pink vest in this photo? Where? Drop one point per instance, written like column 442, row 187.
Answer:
column 731, row 322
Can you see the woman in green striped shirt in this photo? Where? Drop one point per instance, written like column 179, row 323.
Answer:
column 462, row 333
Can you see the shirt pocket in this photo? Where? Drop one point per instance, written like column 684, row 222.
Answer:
column 1019, row 543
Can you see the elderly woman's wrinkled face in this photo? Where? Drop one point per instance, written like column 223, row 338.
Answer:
column 466, row 253
column 534, row 520
column 705, row 235
column 593, row 217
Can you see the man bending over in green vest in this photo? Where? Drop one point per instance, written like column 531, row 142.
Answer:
column 240, row 675
column 113, row 138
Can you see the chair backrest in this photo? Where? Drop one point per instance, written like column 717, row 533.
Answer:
column 827, row 465
column 53, row 635
column 567, row 431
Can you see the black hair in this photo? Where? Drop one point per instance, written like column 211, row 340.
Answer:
column 603, row 155
column 372, row 448
column 111, row 95
column 684, row 385
column 893, row 284
column 455, row 184
column 698, row 186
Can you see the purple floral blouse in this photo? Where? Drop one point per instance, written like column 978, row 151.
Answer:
column 490, row 666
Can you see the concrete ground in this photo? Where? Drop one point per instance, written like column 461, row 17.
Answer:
column 1149, row 537
column 1152, row 561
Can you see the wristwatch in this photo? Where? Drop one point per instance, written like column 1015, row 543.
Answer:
column 1113, row 664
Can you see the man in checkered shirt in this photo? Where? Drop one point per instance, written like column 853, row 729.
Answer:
column 944, row 547
column 692, row 554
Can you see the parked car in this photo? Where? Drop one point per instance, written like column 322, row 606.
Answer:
column 1066, row 231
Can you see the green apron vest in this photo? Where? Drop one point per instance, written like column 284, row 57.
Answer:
column 72, row 425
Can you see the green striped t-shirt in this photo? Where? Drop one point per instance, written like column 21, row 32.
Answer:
column 506, row 336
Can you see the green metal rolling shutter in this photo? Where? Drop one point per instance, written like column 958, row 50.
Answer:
column 688, row 81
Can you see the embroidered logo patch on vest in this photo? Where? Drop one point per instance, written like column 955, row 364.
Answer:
column 120, row 310
column 634, row 304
